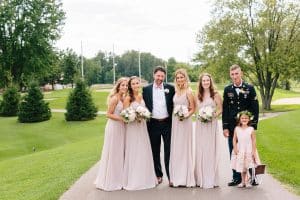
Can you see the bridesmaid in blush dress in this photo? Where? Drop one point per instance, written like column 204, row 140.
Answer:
column 206, row 135
column 110, row 172
column 138, row 166
column 181, row 158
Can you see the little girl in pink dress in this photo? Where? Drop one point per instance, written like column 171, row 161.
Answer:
column 244, row 154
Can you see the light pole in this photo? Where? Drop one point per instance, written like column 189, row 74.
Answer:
column 114, row 67
column 81, row 62
column 166, row 67
column 140, row 67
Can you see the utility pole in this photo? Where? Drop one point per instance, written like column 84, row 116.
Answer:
column 81, row 62
column 114, row 67
column 140, row 67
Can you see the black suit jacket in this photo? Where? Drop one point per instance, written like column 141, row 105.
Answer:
column 234, row 103
column 169, row 93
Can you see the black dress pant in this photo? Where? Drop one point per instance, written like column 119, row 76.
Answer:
column 158, row 129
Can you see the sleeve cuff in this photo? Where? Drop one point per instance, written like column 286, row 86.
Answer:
column 225, row 126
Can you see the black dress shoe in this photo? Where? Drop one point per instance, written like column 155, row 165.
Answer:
column 254, row 183
column 234, row 182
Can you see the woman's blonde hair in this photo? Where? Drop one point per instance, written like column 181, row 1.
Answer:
column 116, row 88
column 184, row 73
column 200, row 89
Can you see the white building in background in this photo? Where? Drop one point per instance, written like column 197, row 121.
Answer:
column 58, row 87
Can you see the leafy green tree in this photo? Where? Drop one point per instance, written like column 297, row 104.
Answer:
column 33, row 108
column 11, row 99
column 128, row 64
column 171, row 67
column 80, row 105
column 148, row 62
column 263, row 37
column 55, row 72
column 28, row 31
column 92, row 70
column 70, row 65
column 105, row 61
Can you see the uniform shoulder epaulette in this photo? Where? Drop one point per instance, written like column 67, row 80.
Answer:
column 229, row 85
column 248, row 84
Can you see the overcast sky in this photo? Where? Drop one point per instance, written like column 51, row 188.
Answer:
column 165, row 28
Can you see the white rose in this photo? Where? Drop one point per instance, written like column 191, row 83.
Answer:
column 132, row 116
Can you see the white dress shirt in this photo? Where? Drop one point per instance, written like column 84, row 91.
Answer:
column 159, row 110
column 238, row 89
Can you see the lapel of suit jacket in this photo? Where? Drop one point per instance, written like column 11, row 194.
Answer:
column 151, row 96
column 166, row 94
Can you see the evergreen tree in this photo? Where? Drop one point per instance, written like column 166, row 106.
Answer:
column 33, row 108
column 9, row 105
column 80, row 105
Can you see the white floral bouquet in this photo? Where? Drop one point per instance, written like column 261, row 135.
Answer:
column 128, row 115
column 142, row 113
column 206, row 114
column 181, row 111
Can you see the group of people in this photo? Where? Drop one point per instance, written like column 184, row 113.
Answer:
column 131, row 152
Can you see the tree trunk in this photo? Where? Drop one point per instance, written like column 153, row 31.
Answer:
column 52, row 83
column 287, row 85
column 266, row 102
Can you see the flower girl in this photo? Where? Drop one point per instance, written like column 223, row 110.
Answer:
column 244, row 155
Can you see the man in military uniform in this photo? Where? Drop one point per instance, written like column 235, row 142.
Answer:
column 238, row 96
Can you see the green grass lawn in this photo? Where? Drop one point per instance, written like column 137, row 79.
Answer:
column 57, row 99
column 64, row 151
column 278, row 142
column 281, row 108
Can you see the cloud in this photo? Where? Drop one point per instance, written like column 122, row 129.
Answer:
column 165, row 28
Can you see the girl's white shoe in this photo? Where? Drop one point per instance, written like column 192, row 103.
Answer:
column 248, row 185
column 241, row 185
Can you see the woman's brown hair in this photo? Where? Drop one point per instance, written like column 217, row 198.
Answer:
column 212, row 89
column 130, row 90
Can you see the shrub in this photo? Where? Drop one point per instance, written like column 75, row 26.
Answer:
column 33, row 108
column 11, row 99
column 80, row 105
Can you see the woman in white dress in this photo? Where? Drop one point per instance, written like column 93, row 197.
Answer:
column 206, row 134
column 138, row 166
column 181, row 157
column 110, row 172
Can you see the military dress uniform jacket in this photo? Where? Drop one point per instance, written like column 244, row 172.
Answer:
column 233, row 103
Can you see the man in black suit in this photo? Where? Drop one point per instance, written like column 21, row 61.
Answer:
column 158, row 98
column 238, row 96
